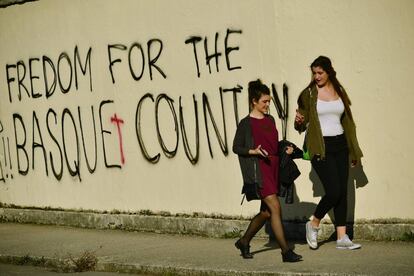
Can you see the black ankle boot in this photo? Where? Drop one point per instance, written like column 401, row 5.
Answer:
column 291, row 257
column 244, row 250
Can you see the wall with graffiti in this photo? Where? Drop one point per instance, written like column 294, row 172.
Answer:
column 134, row 105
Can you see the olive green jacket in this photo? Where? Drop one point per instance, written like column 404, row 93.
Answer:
column 314, row 140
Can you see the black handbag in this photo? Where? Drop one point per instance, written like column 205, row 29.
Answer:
column 251, row 191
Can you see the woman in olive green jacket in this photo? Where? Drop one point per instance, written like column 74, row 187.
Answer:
column 324, row 113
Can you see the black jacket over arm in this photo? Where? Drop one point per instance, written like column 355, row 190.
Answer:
column 288, row 171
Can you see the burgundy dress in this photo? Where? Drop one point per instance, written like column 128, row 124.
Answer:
column 265, row 134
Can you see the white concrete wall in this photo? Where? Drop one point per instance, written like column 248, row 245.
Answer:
column 370, row 42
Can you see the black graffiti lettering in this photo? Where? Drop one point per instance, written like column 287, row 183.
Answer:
column 59, row 174
column 153, row 159
column 20, row 78
column 76, row 171
column 49, row 90
column 32, row 77
column 235, row 90
column 215, row 55
column 167, row 152
column 194, row 40
column 152, row 61
column 206, row 108
column 83, row 69
column 228, row 49
column 193, row 158
column 139, row 47
column 65, row 137
column 9, row 80
column 35, row 145
column 104, row 131
column 111, row 62
column 5, row 161
column 152, row 58
column 6, row 154
column 8, row 149
column 69, row 63
column 91, row 170
column 62, row 74
column 282, row 111
column 4, row 151
column 20, row 146
column 1, row 170
column 208, row 116
column 286, row 109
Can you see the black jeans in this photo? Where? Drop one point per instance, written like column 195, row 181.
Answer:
column 333, row 173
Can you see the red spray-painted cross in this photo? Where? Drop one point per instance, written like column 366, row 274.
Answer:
column 118, row 123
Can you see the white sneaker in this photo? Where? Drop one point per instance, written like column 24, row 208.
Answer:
column 346, row 243
column 312, row 235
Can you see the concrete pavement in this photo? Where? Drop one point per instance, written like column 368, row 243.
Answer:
column 150, row 253
column 27, row 270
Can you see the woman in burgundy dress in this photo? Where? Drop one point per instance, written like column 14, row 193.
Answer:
column 256, row 144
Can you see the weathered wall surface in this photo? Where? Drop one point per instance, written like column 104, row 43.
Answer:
column 134, row 106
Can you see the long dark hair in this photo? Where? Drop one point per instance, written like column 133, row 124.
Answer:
column 256, row 89
column 326, row 64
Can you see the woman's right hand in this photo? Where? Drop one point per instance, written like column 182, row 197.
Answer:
column 259, row 151
column 299, row 118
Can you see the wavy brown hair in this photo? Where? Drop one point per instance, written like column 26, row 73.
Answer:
column 326, row 64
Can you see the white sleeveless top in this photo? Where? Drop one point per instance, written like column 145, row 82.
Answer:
column 330, row 117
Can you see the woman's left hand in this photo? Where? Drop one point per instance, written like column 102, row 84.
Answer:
column 289, row 150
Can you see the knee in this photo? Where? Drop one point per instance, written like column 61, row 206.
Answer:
column 265, row 214
column 334, row 198
column 274, row 210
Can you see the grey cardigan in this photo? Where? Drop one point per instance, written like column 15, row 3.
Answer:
column 242, row 143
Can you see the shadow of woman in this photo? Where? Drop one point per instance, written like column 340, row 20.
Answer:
column 357, row 179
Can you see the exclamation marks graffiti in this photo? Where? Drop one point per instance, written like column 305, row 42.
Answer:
column 5, row 166
column 1, row 165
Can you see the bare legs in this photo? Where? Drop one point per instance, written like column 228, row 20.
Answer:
column 315, row 222
column 340, row 232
